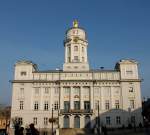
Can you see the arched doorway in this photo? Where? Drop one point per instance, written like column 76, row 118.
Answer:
column 76, row 122
column 87, row 121
column 66, row 121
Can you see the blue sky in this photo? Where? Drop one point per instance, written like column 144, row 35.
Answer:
column 35, row 29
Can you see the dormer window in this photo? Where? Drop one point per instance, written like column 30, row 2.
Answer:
column 23, row 73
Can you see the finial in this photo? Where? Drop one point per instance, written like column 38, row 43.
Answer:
column 75, row 24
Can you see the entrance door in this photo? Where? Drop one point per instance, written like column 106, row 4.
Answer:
column 76, row 122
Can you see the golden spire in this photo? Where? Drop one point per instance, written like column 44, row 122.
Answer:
column 75, row 24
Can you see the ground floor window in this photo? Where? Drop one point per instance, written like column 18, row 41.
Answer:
column 66, row 121
column 118, row 120
column 76, row 122
column 108, row 120
column 87, row 122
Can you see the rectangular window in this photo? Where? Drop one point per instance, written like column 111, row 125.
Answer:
column 129, row 72
column 56, row 105
column 66, row 106
column 76, row 59
column 76, row 90
column 117, row 104
column 133, row 119
column 96, row 104
column 132, row 104
column 21, row 92
column 118, row 120
column 45, row 121
column 21, row 105
column 108, row 120
column 56, row 91
column 35, row 120
column 37, row 91
column 46, row 90
column 130, row 89
column 23, row 73
column 66, row 90
column 36, row 105
column 87, row 105
column 77, row 105
column 75, row 48
column 46, row 106
column 107, row 105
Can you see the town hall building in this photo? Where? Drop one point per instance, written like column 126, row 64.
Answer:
column 76, row 96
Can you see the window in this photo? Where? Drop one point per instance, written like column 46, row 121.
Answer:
column 82, row 49
column 20, row 120
column 46, row 105
column 21, row 105
column 45, row 121
column 76, row 90
column 117, row 104
column 37, row 91
column 96, row 104
column 36, row 105
column 118, row 120
column 47, row 90
column 108, row 120
column 66, row 90
column 77, row 105
column 130, row 89
column 132, row 104
column 76, row 59
column 129, row 72
column 21, row 92
column 75, row 48
column 107, row 105
column 56, row 105
column 66, row 106
column 23, row 73
column 132, row 119
column 87, row 105
column 56, row 90
column 35, row 120
column 82, row 59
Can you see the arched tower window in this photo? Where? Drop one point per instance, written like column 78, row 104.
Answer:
column 75, row 48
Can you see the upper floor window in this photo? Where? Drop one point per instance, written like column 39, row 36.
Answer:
column 76, row 90
column 107, row 105
column 82, row 49
column 35, row 120
column 46, row 90
column 36, row 105
column 37, row 91
column 21, row 105
column 75, row 48
column 130, row 89
column 23, row 73
column 56, row 105
column 132, row 104
column 129, row 72
column 76, row 59
column 66, row 90
column 46, row 105
column 56, row 91
column 117, row 104
column 45, row 121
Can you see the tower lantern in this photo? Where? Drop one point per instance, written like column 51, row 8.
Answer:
column 76, row 49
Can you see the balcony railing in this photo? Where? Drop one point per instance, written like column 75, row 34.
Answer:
column 75, row 111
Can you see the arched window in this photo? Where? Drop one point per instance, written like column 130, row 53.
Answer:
column 76, row 122
column 66, row 121
column 82, row 49
column 87, row 122
column 75, row 48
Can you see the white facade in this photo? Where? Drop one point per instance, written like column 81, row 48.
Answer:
column 76, row 92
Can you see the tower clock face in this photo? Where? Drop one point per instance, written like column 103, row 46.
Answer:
column 76, row 39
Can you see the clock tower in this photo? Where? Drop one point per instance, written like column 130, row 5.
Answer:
column 75, row 44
